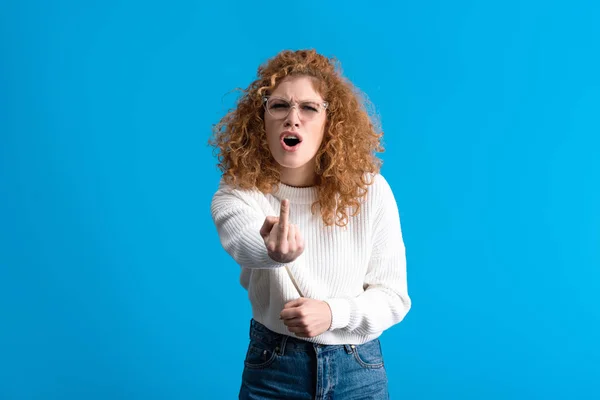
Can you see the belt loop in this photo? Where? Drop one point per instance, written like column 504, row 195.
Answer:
column 349, row 348
column 282, row 345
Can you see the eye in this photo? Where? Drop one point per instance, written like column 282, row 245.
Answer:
column 311, row 107
column 279, row 105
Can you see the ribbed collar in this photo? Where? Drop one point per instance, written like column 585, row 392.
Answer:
column 296, row 195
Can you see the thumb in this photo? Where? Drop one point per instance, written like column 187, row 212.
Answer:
column 265, row 230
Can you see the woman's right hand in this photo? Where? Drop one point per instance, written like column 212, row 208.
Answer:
column 283, row 240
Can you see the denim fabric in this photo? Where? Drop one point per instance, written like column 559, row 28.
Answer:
column 283, row 367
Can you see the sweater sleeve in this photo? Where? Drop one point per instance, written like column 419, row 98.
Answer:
column 238, row 224
column 385, row 300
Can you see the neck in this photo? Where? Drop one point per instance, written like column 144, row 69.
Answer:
column 303, row 176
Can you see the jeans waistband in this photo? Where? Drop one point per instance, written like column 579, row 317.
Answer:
column 263, row 334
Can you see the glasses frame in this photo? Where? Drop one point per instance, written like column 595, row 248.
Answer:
column 295, row 105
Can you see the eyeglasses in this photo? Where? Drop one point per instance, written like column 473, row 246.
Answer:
column 280, row 108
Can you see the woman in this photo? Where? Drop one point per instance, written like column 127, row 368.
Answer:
column 303, row 210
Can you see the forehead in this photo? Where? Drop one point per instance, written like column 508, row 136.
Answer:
column 297, row 88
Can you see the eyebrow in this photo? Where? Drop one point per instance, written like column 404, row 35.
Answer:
column 299, row 101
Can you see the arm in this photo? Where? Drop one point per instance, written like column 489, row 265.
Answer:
column 239, row 219
column 385, row 301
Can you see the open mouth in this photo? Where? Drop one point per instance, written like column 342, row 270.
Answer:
column 291, row 141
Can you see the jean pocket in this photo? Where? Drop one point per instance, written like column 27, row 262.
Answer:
column 259, row 355
column 369, row 355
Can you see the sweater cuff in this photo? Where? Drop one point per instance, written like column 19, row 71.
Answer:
column 340, row 313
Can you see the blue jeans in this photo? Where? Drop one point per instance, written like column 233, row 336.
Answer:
column 283, row 367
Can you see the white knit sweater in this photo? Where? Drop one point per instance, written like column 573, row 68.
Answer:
column 359, row 270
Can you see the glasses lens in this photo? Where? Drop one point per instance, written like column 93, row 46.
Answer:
column 278, row 108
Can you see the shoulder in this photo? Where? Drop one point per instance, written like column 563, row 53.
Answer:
column 378, row 185
column 379, row 180
column 380, row 195
column 227, row 189
column 228, row 196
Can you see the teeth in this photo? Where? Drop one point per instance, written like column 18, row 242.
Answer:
column 291, row 137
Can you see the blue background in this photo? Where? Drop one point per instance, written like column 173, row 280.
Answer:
column 113, row 283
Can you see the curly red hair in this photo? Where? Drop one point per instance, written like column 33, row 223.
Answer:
column 347, row 155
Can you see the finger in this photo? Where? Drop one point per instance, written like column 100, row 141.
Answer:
column 290, row 313
column 271, row 242
column 291, row 237
column 294, row 303
column 267, row 226
column 274, row 235
column 284, row 214
column 295, row 323
column 280, row 239
column 299, row 240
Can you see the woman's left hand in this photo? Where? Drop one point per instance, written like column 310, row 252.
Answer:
column 306, row 317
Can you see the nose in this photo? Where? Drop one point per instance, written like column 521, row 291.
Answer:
column 293, row 118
